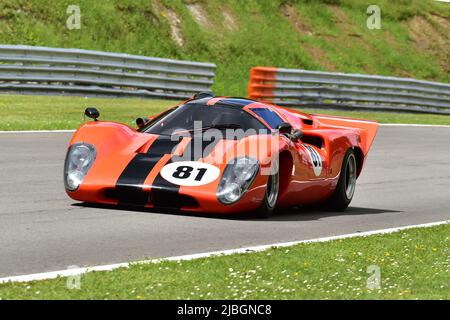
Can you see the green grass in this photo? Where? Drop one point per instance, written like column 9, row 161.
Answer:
column 333, row 38
column 413, row 264
column 24, row 112
column 388, row 117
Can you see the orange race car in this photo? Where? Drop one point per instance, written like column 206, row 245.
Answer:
column 219, row 155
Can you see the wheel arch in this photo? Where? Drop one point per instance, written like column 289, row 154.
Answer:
column 359, row 160
column 286, row 163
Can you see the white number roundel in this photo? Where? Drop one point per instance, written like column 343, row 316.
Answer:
column 190, row 173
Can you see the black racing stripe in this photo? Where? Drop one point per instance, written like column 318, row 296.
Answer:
column 199, row 147
column 128, row 188
column 166, row 194
column 163, row 145
column 129, row 185
column 163, row 193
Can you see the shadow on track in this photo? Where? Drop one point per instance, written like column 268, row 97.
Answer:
column 315, row 213
column 306, row 213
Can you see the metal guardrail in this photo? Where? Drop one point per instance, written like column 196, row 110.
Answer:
column 294, row 87
column 30, row 69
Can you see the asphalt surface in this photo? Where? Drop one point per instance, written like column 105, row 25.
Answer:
column 406, row 181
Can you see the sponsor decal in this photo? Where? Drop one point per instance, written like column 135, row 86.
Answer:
column 316, row 160
column 190, row 173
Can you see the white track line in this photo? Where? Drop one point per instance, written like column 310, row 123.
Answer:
column 79, row 271
column 413, row 125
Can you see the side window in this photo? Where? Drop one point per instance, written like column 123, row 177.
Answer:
column 272, row 119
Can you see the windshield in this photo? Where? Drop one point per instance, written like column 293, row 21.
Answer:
column 217, row 116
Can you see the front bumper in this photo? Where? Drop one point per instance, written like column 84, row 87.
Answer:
column 192, row 199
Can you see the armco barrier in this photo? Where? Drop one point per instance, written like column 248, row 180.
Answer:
column 292, row 87
column 31, row 69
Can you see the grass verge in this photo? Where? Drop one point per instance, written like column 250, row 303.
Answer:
column 413, row 264
column 388, row 117
column 24, row 112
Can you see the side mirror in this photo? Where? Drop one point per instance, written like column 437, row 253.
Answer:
column 92, row 113
column 141, row 122
column 284, row 128
column 296, row 135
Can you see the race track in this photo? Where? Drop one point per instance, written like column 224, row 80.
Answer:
column 406, row 181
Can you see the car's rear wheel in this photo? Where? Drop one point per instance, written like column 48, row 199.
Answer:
column 346, row 186
column 271, row 195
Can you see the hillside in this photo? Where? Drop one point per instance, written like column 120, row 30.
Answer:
column 414, row 40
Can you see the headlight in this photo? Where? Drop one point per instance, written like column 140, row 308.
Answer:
column 79, row 160
column 237, row 178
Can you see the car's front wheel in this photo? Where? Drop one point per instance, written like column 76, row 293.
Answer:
column 271, row 195
column 346, row 186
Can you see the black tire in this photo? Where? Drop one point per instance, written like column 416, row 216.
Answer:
column 271, row 195
column 345, row 189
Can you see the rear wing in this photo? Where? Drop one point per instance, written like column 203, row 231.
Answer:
column 367, row 128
